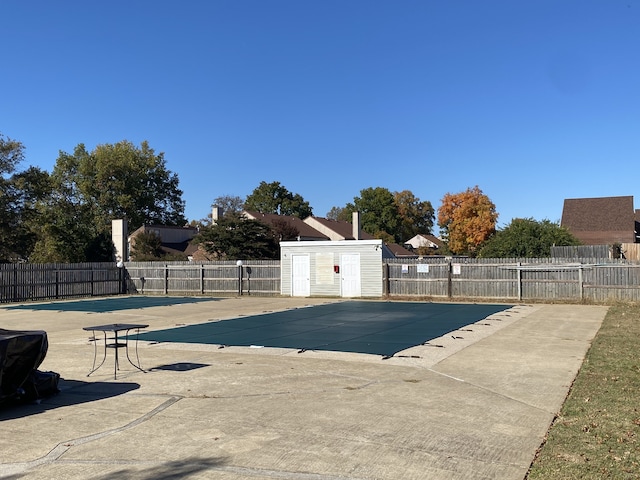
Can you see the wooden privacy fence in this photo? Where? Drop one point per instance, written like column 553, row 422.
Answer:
column 255, row 277
column 587, row 279
column 518, row 279
column 627, row 251
column 20, row 282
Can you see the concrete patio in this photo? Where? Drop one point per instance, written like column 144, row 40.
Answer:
column 475, row 404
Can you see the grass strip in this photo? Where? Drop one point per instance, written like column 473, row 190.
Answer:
column 597, row 433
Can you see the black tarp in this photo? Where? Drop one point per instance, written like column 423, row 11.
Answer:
column 21, row 353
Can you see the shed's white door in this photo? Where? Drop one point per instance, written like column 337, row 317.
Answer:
column 350, row 279
column 300, row 282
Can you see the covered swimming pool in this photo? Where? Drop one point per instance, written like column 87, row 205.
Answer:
column 371, row 327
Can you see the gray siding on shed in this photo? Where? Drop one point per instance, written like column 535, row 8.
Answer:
column 328, row 283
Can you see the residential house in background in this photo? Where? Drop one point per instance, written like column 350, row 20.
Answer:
column 175, row 240
column 602, row 221
column 337, row 230
column 424, row 240
column 179, row 239
column 322, row 229
column 305, row 232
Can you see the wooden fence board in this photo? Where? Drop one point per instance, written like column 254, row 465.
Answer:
column 445, row 278
column 25, row 281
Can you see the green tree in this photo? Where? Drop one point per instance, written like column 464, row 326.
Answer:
column 466, row 220
column 336, row 214
column 11, row 154
column 379, row 214
column 284, row 231
column 275, row 198
column 32, row 187
column 527, row 238
column 146, row 247
column 20, row 193
column 89, row 189
column 230, row 204
column 416, row 216
column 65, row 233
column 122, row 181
column 235, row 236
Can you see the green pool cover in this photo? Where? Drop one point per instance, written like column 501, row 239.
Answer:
column 380, row 328
column 112, row 304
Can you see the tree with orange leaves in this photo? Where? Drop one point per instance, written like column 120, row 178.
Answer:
column 466, row 220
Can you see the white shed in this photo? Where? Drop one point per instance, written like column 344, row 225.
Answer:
column 347, row 268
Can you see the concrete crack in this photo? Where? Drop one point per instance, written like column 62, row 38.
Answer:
column 60, row 449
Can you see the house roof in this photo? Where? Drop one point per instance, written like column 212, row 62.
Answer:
column 424, row 240
column 187, row 248
column 305, row 231
column 600, row 221
column 336, row 229
column 399, row 251
column 174, row 239
column 187, row 231
column 333, row 230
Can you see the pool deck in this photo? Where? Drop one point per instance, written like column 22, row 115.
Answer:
column 475, row 404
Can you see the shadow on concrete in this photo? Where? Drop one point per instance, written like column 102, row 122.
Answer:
column 72, row 392
column 177, row 469
column 180, row 366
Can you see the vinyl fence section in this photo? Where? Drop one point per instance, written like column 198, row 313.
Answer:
column 513, row 279
column 257, row 277
column 21, row 282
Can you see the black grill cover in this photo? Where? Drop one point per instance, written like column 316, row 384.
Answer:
column 21, row 352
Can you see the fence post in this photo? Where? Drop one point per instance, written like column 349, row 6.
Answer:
column 385, row 279
column 202, row 278
column 15, row 282
column 519, row 264
column 239, row 264
column 122, row 278
column 581, row 283
column 166, row 278
column 449, row 280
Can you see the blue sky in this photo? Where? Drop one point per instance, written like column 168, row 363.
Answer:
column 534, row 101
